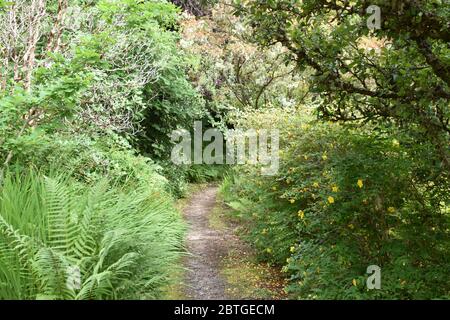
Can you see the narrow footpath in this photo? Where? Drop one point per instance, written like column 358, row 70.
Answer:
column 219, row 264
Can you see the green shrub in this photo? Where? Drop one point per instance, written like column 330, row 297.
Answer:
column 178, row 177
column 205, row 173
column 125, row 243
column 347, row 197
column 120, row 83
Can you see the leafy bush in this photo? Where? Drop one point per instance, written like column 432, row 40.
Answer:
column 142, row 88
column 178, row 177
column 347, row 197
column 233, row 74
column 206, row 173
column 124, row 243
column 118, row 89
column 86, row 158
column 86, row 111
column 397, row 73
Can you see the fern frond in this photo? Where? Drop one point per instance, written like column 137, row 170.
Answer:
column 22, row 244
column 51, row 267
column 62, row 225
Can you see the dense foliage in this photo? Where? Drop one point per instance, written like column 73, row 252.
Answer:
column 63, row 240
column 346, row 198
column 396, row 73
column 235, row 75
column 91, row 90
column 374, row 190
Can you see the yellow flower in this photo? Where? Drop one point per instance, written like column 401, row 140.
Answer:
column 360, row 183
column 269, row 250
column 354, row 282
column 391, row 209
column 264, row 231
column 301, row 214
column 395, row 143
column 335, row 189
column 292, row 249
column 324, row 157
column 315, row 184
column 274, row 188
column 306, row 157
column 292, row 200
column 330, row 199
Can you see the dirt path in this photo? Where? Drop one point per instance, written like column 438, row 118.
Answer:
column 206, row 247
column 219, row 264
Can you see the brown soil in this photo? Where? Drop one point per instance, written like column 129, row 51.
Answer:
column 219, row 264
column 206, row 247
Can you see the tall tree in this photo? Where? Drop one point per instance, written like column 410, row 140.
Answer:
column 399, row 72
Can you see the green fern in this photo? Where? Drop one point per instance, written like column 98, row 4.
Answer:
column 123, row 243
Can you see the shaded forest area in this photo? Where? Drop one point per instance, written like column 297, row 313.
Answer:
column 91, row 91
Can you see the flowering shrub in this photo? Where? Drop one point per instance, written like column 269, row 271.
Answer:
column 346, row 198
